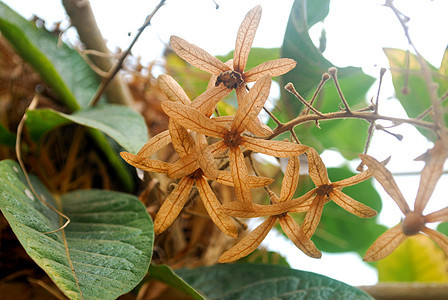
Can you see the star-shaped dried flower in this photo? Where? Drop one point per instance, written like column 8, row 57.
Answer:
column 414, row 221
column 233, row 138
column 313, row 201
column 251, row 241
column 234, row 77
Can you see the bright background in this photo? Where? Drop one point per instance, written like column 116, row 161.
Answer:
column 356, row 33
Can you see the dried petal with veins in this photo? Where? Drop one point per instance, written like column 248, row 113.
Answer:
column 385, row 244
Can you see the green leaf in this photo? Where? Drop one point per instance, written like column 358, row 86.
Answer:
column 416, row 259
column 252, row 281
column 166, row 275
column 61, row 67
column 311, row 64
column 121, row 123
column 263, row 256
column 104, row 251
column 417, row 99
column 7, row 138
column 339, row 230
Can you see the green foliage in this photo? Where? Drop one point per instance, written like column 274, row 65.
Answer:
column 166, row 275
column 417, row 259
column 61, row 67
column 121, row 123
column 410, row 86
column 104, row 251
column 253, row 281
column 306, row 76
column 7, row 138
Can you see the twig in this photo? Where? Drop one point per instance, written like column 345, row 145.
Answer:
column 83, row 19
column 334, row 74
column 324, row 79
column 290, row 88
column 119, row 63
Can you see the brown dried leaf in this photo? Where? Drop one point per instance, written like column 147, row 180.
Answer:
column 218, row 148
column 316, row 168
column 271, row 68
column 206, row 102
column 225, row 177
column 430, row 175
column 273, row 148
column 438, row 216
column 439, row 238
column 205, row 157
column 312, row 217
column 258, row 128
column 240, row 175
column 387, row 181
column 198, row 57
column 385, row 244
column 192, row 119
column 249, row 109
column 173, row 205
column 290, row 179
column 145, row 164
column 212, row 205
column 360, row 177
column 182, row 141
column 155, row 143
column 245, row 37
column 183, row 166
column 351, row 205
column 298, row 237
column 172, row 89
column 248, row 243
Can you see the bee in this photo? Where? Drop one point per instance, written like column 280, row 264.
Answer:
column 230, row 79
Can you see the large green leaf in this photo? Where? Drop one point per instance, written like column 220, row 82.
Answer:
column 252, row 281
column 410, row 86
column 6, row 137
column 61, row 67
column 123, row 124
column 339, row 230
column 417, row 259
column 104, row 252
column 165, row 274
column 311, row 64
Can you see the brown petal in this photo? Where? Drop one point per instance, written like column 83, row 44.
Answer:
column 272, row 68
column 312, row 217
column 173, row 205
column 258, row 128
column 251, row 210
column 298, row 237
column 198, row 57
column 438, row 216
column 430, row 175
column 212, row 205
column 439, row 238
column 386, row 179
column 182, row 141
column 183, row 166
column 206, row 102
column 273, row 148
column 360, row 177
column 240, row 175
column 172, row 89
column 192, row 119
column 385, row 244
column 248, row 243
column 245, row 37
column 290, row 179
column 225, row 177
column 218, row 148
column 303, row 203
column 224, row 121
column 316, row 168
column 251, row 107
column 155, row 143
column 145, row 164
column 205, row 157
column 351, row 205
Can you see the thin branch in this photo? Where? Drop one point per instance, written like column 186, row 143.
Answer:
column 119, row 63
column 290, row 88
column 324, row 79
column 334, row 74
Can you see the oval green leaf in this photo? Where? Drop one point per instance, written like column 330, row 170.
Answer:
column 252, row 281
column 105, row 250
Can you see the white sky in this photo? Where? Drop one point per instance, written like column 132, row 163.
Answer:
column 356, row 33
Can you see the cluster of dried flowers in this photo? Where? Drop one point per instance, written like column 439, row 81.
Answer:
column 199, row 137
